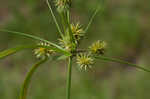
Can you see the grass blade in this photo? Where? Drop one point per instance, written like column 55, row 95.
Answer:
column 28, row 78
column 11, row 51
column 121, row 61
column 30, row 36
column 54, row 18
column 92, row 18
column 58, row 48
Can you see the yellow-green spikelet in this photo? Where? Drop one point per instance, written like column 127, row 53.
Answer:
column 84, row 60
column 98, row 47
column 43, row 52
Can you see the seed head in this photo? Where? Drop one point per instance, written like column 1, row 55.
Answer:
column 43, row 52
column 98, row 47
column 62, row 5
column 84, row 60
column 77, row 31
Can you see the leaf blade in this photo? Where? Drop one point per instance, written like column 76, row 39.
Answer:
column 54, row 18
column 60, row 49
column 28, row 78
column 121, row 61
column 93, row 16
column 11, row 51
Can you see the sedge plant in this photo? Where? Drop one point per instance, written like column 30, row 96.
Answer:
column 68, row 46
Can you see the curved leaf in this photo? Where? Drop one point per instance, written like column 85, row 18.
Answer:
column 28, row 78
column 19, row 48
column 121, row 61
column 12, row 51
column 58, row 48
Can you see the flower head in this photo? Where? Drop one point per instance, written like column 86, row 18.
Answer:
column 62, row 5
column 98, row 47
column 77, row 31
column 84, row 60
column 42, row 52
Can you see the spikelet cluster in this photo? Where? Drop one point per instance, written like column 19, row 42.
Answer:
column 42, row 52
column 77, row 31
column 84, row 61
column 66, row 43
column 62, row 5
column 98, row 47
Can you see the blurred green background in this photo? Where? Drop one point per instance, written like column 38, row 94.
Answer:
column 124, row 25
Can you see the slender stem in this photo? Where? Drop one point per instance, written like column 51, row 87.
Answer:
column 69, row 75
column 54, row 18
column 94, row 14
column 63, row 22
column 121, row 61
column 92, row 18
column 68, row 16
column 27, row 80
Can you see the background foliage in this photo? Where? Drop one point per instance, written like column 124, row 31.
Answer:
column 124, row 25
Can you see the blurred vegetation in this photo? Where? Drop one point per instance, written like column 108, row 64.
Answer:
column 124, row 24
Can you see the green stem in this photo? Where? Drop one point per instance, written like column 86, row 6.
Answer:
column 54, row 18
column 27, row 80
column 68, row 16
column 92, row 18
column 121, row 61
column 69, row 74
column 70, row 31
column 63, row 22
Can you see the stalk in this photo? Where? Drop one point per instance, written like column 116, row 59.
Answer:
column 92, row 18
column 121, row 61
column 54, row 18
column 23, row 94
column 63, row 18
column 69, row 76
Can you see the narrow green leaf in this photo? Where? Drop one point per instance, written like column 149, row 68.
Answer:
column 25, row 86
column 11, row 51
column 30, row 36
column 92, row 18
column 54, row 18
column 121, row 61
column 58, row 48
